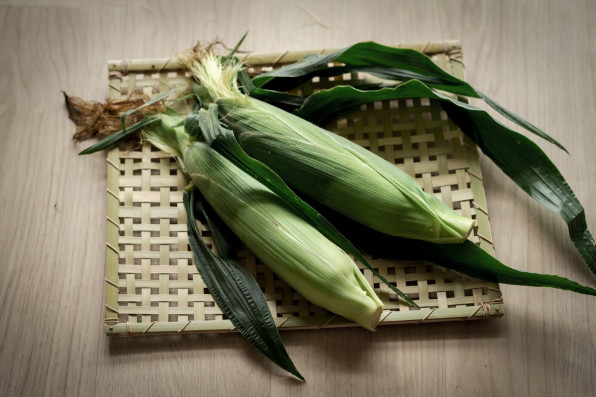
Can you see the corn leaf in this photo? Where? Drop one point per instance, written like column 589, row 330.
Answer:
column 467, row 258
column 114, row 139
column 192, row 122
column 246, row 83
column 520, row 158
column 235, row 291
column 387, row 63
column 201, row 94
column 148, row 103
column 281, row 99
column 232, row 53
column 379, row 60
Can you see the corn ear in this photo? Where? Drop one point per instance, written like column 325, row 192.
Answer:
column 314, row 266
column 329, row 177
column 410, row 213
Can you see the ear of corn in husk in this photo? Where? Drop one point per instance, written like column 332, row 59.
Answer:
column 407, row 212
column 323, row 174
column 314, row 266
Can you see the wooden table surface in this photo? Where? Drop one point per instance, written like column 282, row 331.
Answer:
column 535, row 57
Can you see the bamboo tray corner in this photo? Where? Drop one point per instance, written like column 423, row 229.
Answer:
column 152, row 285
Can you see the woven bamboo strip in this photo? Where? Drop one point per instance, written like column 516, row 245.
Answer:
column 466, row 313
column 112, row 231
column 158, row 65
column 482, row 218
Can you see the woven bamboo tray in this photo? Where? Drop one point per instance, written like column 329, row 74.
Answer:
column 152, row 285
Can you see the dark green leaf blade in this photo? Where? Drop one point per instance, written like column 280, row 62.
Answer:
column 235, row 291
column 236, row 47
column 295, row 73
column 323, row 106
column 473, row 261
column 388, row 63
column 380, row 60
column 226, row 241
column 192, row 124
column 466, row 258
column 114, row 139
column 281, row 99
column 531, row 169
column 520, row 158
column 521, row 122
column 246, row 84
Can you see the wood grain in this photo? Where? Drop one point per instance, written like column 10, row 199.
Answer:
column 535, row 57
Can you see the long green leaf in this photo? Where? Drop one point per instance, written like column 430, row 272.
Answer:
column 280, row 99
column 379, row 60
column 519, row 121
column 149, row 102
column 116, row 138
column 235, row 291
column 388, row 63
column 520, row 158
column 232, row 53
column 466, row 258
column 223, row 140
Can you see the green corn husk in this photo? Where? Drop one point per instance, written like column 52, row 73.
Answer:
column 412, row 212
column 322, row 173
column 296, row 251
column 168, row 135
column 315, row 267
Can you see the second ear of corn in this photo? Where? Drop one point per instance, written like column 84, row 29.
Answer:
column 328, row 168
column 366, row 196
column 296, row 251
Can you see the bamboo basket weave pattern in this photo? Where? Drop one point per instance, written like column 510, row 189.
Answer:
column 152, row 285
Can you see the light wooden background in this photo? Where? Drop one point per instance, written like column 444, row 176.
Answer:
column 536, row 57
